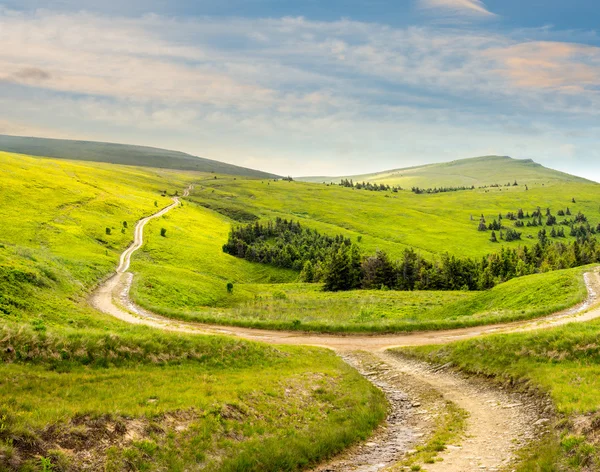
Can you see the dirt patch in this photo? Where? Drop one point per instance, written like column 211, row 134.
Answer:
column 82, row 442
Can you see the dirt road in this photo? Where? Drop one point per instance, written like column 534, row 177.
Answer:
column 498, row 424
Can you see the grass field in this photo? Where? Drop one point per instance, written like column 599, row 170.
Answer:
column 73, row 378
column 432, row 224
column 185, row 276
column 152, row 401
column 162, row 401
column 563, row 363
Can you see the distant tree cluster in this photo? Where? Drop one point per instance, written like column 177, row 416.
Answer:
column 368, row 186
column 420, row 191
column 514, row 184
column 340, row 265
column 579, row 225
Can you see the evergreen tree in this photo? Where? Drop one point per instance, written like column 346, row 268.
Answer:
column 308, row 272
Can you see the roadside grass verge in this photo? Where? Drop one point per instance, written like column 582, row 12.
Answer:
column 563, row 363
column 255, row 407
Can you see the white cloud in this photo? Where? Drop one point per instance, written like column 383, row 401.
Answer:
column 461, row 7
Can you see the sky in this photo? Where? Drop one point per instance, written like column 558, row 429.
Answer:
column 310, row 87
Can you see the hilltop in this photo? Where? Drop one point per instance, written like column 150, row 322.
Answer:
column 125, row 154
column 477, row 171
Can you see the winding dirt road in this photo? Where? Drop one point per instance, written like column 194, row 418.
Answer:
column 498, row 424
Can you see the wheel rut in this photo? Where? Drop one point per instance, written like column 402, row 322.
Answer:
column 498, row 424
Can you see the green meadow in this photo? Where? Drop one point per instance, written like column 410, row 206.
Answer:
column 431, row 224
column 185, row 274
column 73, row 378
column 79, row 389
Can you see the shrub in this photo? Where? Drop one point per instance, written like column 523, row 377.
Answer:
column 163, row 232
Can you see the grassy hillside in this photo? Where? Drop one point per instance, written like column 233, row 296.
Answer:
column 81, row 390
column 432, row 224
column 478, row 171
column 123, row 154
column 185, row 276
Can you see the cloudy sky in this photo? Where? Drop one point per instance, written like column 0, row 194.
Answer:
column 310, row 87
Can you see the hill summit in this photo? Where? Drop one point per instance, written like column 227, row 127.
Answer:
column 477, row 171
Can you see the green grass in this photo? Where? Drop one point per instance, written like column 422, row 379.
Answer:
column 563, row 363
column 227, row 405
column 185, row 276
column 432, row 224
column 81, row 389
column 185, row 411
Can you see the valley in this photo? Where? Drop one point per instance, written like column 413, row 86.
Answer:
column 190, row 358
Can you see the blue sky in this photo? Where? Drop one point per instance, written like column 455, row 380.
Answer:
column 310, row 87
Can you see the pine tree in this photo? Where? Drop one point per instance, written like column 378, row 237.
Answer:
column 493, row 237
column 308, row 273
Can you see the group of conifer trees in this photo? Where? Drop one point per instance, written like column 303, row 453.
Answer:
column 281, row 243
column 579, row 225
column 420, row 191
column 340, row 265
column 368, row 186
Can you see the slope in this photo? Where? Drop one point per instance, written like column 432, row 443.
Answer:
column 477, row 171
column 124, row 154
column 82, row 391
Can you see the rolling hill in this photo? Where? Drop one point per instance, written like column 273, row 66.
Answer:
column 477, row 171
column 196, row 399
column 124, row 154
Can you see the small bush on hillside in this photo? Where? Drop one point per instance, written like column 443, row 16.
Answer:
column 108, row 231
column 163, row 232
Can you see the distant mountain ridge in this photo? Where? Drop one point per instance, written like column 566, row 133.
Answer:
column 124, row 154
column 475, row 171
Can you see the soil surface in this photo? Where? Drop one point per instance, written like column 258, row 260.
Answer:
column 499, row 422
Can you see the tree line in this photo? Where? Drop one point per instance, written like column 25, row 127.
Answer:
column 368, row 186
column 420, row 191
column 339, row 264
